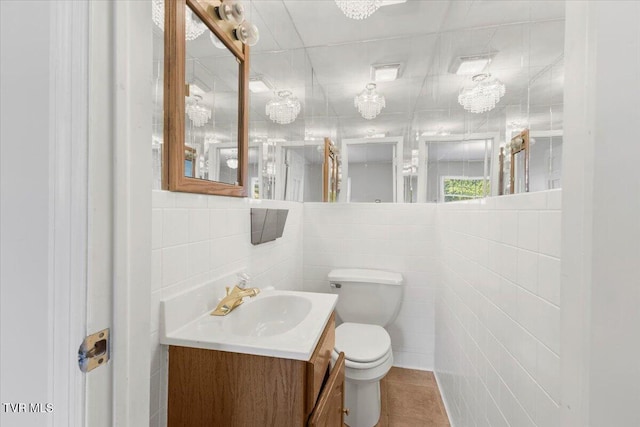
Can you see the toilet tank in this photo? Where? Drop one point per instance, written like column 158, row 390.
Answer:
column 367, row 296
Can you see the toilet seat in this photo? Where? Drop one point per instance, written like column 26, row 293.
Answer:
column 362, row 343
column 369, row 345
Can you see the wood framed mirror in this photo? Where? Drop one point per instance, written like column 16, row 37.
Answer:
column 206, row 101
column 330, row 172
column 519, row 168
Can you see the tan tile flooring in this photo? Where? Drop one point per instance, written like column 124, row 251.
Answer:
column 411, row 398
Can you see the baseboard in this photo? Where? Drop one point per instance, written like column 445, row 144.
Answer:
column 444, row 400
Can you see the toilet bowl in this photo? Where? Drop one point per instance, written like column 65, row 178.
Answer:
column 368, row 358
column 368, row 300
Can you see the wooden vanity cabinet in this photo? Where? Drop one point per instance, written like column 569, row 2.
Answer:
column 217, row 388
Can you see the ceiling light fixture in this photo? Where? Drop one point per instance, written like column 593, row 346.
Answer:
column 259, row 85
column 471, row 65
column 198, row 114
column 385, row 72
column 483, row 95
column 193, row 28
column 247, row 33
column 369, row 103
column 358, row 9
column 231, row 11
column 284, row 109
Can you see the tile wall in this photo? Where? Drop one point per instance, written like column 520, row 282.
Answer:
column 388, row 236
column 498, row 312
column 198, row 238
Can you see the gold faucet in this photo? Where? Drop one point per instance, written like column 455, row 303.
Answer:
column 233, row 299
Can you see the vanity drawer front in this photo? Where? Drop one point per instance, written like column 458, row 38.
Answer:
column 318, row 365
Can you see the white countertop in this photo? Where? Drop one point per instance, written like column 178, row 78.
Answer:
column 217, row 332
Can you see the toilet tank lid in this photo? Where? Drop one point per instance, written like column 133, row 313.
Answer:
column 365, row 276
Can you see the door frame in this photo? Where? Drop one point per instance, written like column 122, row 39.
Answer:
column 423, row 158
column 398, row 159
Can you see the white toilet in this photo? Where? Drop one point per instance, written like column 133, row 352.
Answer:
column 368, row 301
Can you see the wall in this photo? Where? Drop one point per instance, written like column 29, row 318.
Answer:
column 396, row 237
column 498, row 316
column 601, row 232
column 26, row 201
column 198, row 238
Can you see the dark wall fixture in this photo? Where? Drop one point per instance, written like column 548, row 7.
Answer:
column 267, row 224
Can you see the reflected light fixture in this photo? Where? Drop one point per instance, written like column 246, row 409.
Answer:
column 358, row 9
column 284, row 109
column 247, row 33
column 471, row 65
column 231, row 11
column 483, row 95
column 198, row 114
column 193, row 28
column 259, row 85
column 385, row 73
column 232, row 163
column 369, row 103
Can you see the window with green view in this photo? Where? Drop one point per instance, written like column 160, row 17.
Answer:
column 463, row 188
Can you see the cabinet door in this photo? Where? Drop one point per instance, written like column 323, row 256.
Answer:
column 329, row 409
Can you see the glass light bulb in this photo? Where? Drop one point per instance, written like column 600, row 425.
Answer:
column 231, row 11
column 247, row 33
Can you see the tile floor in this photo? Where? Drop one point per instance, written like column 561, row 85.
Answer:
column 411, row 398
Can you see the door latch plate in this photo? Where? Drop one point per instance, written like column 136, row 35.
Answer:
column 94, row 351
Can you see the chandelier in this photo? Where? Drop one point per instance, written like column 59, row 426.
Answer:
column 358, row 9
column 193, row 29
column 198, row 114
column 369, row 103
column 483, row 96
column 284, row 109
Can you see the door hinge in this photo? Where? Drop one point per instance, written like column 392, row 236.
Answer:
column 94, row 351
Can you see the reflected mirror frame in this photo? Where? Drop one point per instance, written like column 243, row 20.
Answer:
column 173, row 157
column 515, row 149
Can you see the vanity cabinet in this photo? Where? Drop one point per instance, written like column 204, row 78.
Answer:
column 217, row 388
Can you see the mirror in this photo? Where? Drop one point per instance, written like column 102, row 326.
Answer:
column 457, row 167
column 372, row 167
column 206, row 102
column 324, row 71
column 519, row 163
column 330, row 172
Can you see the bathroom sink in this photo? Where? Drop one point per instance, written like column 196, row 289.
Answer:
column 286, row 324
column 271, row 315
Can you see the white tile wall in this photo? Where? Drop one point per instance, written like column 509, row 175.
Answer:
column 493, row 263
column 498, row 313
column 199, row 238
column 395, row 237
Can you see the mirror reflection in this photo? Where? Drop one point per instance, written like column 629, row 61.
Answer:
column 304, row 82
column 211, row 108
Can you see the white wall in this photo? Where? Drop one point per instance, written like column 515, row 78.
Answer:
column 26, row 201
column 498, row 316
column 198, row 238
column 601, row 211
column 395, row 237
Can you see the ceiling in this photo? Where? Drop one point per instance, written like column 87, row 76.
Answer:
column 324, row 58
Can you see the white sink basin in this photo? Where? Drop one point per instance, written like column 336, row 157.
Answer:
column 271, row 315
column 284, row 324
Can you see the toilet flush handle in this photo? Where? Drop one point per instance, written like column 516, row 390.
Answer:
column 335, row 285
